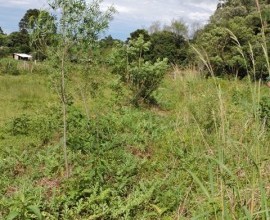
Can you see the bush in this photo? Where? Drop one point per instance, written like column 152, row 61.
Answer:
column 143, row 77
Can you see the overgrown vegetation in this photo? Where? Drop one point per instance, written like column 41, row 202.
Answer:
column 200, row 152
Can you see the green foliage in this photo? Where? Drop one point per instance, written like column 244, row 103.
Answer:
column 166, row 44
column 237, row 39
column 85, row 28
column 265, row 109
column 133, row 163
column 19, row 42
column 23, row 209
column 4, row 50
column 42, row 29
column 202, row 153
column 143, row 77
column 108, row 42
column 107, row 190
column 28, row 19
column 3, row 40
column 136, row 34
column 41, row 127
column 20, row 126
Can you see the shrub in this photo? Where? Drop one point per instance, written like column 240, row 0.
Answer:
column 143, row 77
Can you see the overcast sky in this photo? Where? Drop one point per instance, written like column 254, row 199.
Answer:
column 132, row 14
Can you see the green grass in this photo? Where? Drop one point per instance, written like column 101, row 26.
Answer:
column 203, row 153
column 24, row 95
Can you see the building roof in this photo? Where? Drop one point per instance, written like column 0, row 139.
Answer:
column 23, row 55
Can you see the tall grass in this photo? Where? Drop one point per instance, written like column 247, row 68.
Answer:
column 247, row 199
column 23, row 94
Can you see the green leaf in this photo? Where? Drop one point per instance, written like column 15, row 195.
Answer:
column 247, row 212
column 199, row 182
column 160, row 211
column 12, row 215
column 35, row 210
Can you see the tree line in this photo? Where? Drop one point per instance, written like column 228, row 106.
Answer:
column 238, row 31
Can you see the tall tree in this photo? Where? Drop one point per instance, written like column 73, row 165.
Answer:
column 28, row 19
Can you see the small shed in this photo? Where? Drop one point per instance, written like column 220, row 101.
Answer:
column 22, row 56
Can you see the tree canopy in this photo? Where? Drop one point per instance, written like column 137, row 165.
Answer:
column 167, row 41
column 29, row 19
column 236, row 31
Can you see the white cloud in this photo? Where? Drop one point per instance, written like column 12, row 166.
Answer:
column 198, row 16
column 140, row 14
column 151, row 10
column 23, row 4
column 133, row 14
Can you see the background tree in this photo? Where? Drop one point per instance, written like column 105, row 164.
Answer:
column 136, row 34
column 2, row 38
column 155, row 27
column 178, row 27
column 4, row 50
column 29, row 19
column 165, row 44
column 1, row 31
column 19, row 42
column 107, row 41
column 235, row 32
column 194, row 30
column 168, row 41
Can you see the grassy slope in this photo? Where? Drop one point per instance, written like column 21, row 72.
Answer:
column 203, row 153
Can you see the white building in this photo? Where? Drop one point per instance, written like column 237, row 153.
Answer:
column 22, row 56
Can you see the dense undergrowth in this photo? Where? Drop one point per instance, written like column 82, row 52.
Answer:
column 201, row 153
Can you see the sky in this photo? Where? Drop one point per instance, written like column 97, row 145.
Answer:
column 131, row 15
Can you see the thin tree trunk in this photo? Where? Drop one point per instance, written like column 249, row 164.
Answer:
column 64, row 108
